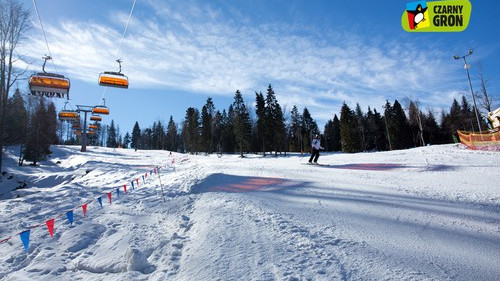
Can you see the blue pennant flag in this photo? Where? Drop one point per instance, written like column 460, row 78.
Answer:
column 143, row 179
column 132, row 182
column 69, row 215
column 118, row 192
column 100, row 202
column 25, row 237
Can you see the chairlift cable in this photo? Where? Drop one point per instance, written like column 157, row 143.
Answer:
column 43, row 31
column 126, row 28
column 121, row 42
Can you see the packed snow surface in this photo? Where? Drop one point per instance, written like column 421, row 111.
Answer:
column 429, row 213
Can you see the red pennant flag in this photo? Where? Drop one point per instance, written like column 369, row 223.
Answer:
column 154, row 171
column 146, row 175
column 109, row 197
column 84, row 207
column 50, row 226
column 137, row 180
column 125, row 188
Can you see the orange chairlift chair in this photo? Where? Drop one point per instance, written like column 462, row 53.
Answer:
column 49, row 84
column 114, row 79
column 68, row 115
column 96, row 118
column 100, row 109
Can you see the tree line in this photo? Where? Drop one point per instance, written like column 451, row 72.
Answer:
column 274, row 130
column 33, row 123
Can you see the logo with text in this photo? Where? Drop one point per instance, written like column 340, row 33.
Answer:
column 436, row 16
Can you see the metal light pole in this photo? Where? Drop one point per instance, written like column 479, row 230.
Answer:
column 467, row 66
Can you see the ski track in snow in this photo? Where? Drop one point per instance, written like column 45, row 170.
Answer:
column 429, row 213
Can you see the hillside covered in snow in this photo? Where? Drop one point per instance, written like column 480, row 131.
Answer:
column 429, row 213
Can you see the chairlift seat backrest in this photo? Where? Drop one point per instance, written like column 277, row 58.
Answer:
column 113, row 79
column 49, row 85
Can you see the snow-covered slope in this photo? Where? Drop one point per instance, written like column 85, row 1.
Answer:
column 430, row 213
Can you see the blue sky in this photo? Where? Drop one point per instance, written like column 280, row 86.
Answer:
column 316, row 54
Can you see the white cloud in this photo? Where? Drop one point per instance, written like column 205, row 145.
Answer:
column 196, row 50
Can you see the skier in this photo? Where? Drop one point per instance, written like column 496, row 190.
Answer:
column 315, row 146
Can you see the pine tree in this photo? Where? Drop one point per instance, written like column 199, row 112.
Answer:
column 275, row 126
column 16, row 120
column 295, row 130
column 308, row 128
column 337, row 146
column 242, row 124
column 171, row 142
column 229, row 139
column 430, row 129
column 207, row 126
column 328, row 135
column 127, row 139
column 136, row 136
column 399, row 128
column 349, row 133
column 111, row 141
column 147, row 139
column 361, row 124
column 468, row 117
column 191, row 130
column 218, row 124
column 260, row 110
column 37, row 146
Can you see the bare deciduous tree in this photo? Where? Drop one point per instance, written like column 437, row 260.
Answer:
column 14, row 22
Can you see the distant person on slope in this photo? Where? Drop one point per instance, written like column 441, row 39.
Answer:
column 316, row 146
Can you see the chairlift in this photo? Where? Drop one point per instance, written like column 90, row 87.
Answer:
column 93, row 126
column 49, row 84
column 100, row 109
column 114, row 79
column 76, row 126
column 90, row 132
column 78, row 132
column 68, row 115
column 96, row 118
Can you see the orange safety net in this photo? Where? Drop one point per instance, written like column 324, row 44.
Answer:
column 484, row 140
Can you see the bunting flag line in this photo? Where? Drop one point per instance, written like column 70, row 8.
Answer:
column 69, row 215
column 50, row 226
column 25, row 237
column 84, row 207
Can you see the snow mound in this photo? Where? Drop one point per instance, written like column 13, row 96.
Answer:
column 137, row 261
